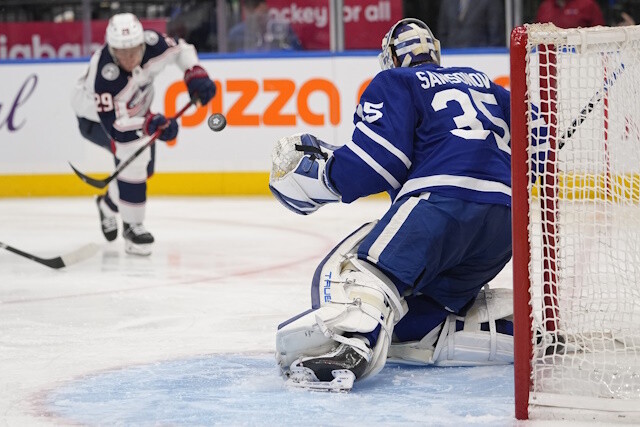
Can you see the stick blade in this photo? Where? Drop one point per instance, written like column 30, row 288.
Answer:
column 79, row 255
column 74, row 257
column 97, row 183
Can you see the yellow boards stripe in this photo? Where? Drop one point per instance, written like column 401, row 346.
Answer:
column 197, row 184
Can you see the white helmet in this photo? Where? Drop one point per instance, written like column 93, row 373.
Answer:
column 124, row 31
column 412, row 42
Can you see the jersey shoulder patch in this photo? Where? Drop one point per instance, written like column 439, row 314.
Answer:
column 157, row 44
column 151, row 38
column 110, row 71
column 109, row 77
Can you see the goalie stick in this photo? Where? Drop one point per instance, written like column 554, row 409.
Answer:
column 595, row 99
column 85, row 252
column 102, row 183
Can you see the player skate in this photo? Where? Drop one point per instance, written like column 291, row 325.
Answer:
column 138, row 241
column 108, row 219
column 346, row 336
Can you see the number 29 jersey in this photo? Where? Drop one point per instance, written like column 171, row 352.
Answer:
column 428, row 129
column 120, row 99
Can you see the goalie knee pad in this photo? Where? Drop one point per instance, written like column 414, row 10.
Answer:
column 351, row 299
column 483, row 337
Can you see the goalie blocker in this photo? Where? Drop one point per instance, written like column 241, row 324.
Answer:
column 348, row 333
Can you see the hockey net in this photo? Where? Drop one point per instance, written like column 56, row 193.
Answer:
column 576, row 221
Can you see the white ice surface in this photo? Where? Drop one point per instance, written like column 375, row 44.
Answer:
column 186, row 336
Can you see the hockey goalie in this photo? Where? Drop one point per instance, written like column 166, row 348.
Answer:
column 413, row 285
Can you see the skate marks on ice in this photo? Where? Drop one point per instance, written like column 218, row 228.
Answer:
column 242, row 389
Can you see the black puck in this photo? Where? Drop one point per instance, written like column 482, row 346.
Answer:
column 217, row 122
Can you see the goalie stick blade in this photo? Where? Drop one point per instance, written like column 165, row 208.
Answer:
column 97, row 183
column 85, row 252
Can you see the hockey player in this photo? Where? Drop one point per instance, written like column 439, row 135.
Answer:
column 409, row 286
column 112, row 102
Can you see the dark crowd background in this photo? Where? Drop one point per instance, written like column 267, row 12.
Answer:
column 457, row 23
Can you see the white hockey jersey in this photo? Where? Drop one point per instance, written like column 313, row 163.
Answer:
column 120, row 100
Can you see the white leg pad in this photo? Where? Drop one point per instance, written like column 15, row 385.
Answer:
column 444, row 346
column 355, row 298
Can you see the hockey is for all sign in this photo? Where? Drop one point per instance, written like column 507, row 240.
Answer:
column 365, row 21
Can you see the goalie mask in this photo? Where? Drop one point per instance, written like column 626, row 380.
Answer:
column 412, row 42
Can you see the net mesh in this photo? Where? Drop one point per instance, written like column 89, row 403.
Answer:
column 584, row 194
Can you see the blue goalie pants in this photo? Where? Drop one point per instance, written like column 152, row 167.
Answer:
column 439, row 252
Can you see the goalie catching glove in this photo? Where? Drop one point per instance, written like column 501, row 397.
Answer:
column 298, row 176
column 201, row 88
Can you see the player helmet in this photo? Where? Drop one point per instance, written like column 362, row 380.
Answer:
column 124, row 31
column 412, row 42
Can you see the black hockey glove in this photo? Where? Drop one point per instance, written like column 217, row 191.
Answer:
column 153, row 122
column 200, row 86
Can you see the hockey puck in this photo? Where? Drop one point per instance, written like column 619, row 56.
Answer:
column 217, row 122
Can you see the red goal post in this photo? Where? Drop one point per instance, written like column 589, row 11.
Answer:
column 575, row 118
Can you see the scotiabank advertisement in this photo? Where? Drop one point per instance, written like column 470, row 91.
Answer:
column 35, row 40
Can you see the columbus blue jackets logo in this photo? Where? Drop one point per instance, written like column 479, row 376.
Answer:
column 110, row 71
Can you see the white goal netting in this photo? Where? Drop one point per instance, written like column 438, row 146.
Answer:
column 583, row 90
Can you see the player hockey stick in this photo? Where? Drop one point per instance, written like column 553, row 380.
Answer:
column 85, row 252
column 102, row 183
column 595, row 99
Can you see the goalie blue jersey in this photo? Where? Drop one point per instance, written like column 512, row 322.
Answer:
column 428, row 129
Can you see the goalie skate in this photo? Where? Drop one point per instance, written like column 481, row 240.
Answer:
column 334, row 371
column 305, row 378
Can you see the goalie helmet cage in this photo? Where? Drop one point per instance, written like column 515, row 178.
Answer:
column 575, row 112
